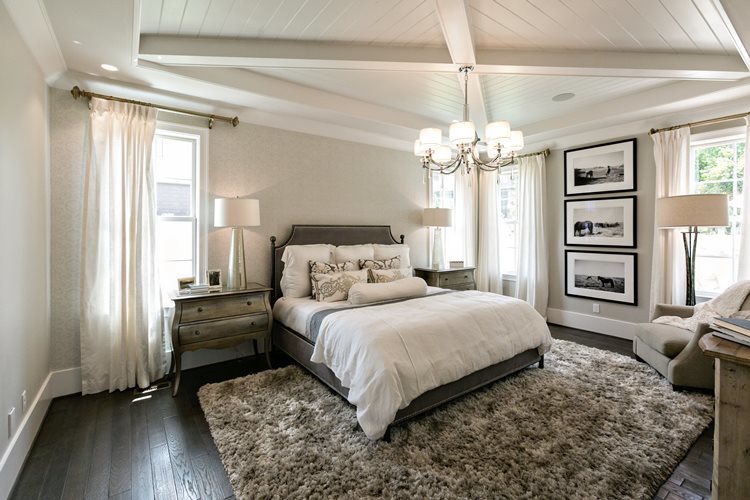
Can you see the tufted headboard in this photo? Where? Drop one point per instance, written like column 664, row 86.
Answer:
column 327, row 234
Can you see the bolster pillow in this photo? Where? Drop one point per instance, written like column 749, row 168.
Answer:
column 365, row 293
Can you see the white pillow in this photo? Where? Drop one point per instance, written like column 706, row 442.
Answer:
column 295, row 280
column 401, row 250
column 345, row 253
column 334, row 287
column 388, row 275
column 364, row 293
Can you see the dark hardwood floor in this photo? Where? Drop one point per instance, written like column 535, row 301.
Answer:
column 139, row 446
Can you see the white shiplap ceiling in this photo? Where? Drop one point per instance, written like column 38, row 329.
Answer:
column 378, row 70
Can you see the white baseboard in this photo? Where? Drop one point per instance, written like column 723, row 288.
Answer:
column 20, row 443
column 597, row 324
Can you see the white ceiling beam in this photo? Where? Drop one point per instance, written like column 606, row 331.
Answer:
column 192, row 51
column 454, row 21
column 736, row 17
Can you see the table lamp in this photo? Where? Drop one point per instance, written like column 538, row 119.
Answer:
column 437, row 219
column 692, row 211
column 236, row 213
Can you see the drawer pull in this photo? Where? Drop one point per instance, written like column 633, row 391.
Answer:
column 249, row 302
column 466, row 275
column 200, row 309
column 197, row 332
column 252, row 324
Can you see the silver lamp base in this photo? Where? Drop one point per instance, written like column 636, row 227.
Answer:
column 438, row 255
column 236, row 270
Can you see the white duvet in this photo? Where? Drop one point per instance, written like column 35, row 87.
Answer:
column 387, row 355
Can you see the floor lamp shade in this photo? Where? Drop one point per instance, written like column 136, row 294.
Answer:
column 692, row 211
column 437, row 219
column 236, row 213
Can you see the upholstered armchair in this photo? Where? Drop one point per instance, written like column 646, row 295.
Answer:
column 674, row 352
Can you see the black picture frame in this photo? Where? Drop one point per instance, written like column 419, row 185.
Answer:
column 629, row 150
column 604, row 295
column 630, row 223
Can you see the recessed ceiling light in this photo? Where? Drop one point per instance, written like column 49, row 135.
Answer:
column 563, row 97
column 77, row 42
column 109, row 67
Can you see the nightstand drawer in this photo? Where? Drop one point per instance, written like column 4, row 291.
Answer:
column 209, row 330
column 456, row 278
column 199, row 310
column 463, row 286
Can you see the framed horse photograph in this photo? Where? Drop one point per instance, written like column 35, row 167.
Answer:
column 608, row 222
column 603, row 168
column 605, row 276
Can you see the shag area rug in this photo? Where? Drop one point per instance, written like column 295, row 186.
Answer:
column 591, row 424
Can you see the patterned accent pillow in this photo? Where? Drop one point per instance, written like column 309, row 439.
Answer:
column 388, row 275
column 320, row 267
column 335, row 286
column 392, row 263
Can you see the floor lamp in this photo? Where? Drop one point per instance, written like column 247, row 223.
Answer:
column 692, row 211
column 236, row 213
column 437, row 219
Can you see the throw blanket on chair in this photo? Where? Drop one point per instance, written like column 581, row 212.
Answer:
column 726, row 304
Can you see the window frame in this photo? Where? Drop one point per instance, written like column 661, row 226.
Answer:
column 514, row 173
column 718, row 137
column 199, row 194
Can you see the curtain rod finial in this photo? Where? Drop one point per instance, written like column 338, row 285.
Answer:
column 76, row 92
column 235, row 121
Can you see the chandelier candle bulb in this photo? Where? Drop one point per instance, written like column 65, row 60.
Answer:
column 430, row 138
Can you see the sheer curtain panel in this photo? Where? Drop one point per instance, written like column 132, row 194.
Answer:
column 672, row 157
column 489, row 276
column 463, row 234
column 532, row 278
column 122, row 335
column 743, row 272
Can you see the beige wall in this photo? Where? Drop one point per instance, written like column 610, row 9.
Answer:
column 645, row 224
column 24, row 313
column 298, row 178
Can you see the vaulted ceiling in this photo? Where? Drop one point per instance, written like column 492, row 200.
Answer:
column 376, row 71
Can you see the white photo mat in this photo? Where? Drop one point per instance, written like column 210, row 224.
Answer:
column 590, row 167
column 605, row 276
column 601, row 222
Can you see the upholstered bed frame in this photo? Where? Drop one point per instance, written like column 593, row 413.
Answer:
column 300, row 348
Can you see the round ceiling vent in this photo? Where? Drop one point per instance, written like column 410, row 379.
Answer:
column 563, row 97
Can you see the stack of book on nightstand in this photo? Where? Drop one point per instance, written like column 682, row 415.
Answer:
column 734, row 329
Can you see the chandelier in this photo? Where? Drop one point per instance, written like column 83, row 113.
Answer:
column 498, row 149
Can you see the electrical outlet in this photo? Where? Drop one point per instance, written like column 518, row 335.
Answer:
column 596, row 308
column 10, row 422
column 23, row 403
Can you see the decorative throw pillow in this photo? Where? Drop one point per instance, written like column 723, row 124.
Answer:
column 393, row 263
column 320, row 267
column 334, row 287
column 388, row 275
column 295, row 279
column 389, row 251
column 343, row 253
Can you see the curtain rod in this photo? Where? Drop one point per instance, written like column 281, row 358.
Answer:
column 545, row 153
column 702, row 122
column 76, row 92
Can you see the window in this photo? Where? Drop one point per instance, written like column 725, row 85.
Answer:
column 181, row 203
column 508, row 198
column 717, row 166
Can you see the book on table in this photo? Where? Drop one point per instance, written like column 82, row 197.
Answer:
column 737, row 325
column 730, row 335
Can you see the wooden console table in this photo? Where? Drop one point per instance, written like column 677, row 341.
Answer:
column 220, row 319
column 732, row 431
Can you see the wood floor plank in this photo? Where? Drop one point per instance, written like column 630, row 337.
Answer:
column 28, row 484
column 97, row 484
column 81, row 450
column 163, row 477
column 182, row 468
column 54, row 480
column 209, row 480
column 142, row 477
column 156, row 434
column 121, row 461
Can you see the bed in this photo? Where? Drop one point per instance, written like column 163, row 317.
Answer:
column 289, row 336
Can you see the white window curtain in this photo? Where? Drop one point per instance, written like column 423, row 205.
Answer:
column 743, row 271
column 462, row 237
column 532, row 278
column 122, row 335
column 672, row 157
column 489, row 276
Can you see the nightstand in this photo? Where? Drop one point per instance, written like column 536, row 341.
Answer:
column 455, row 279
column 220, row 319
